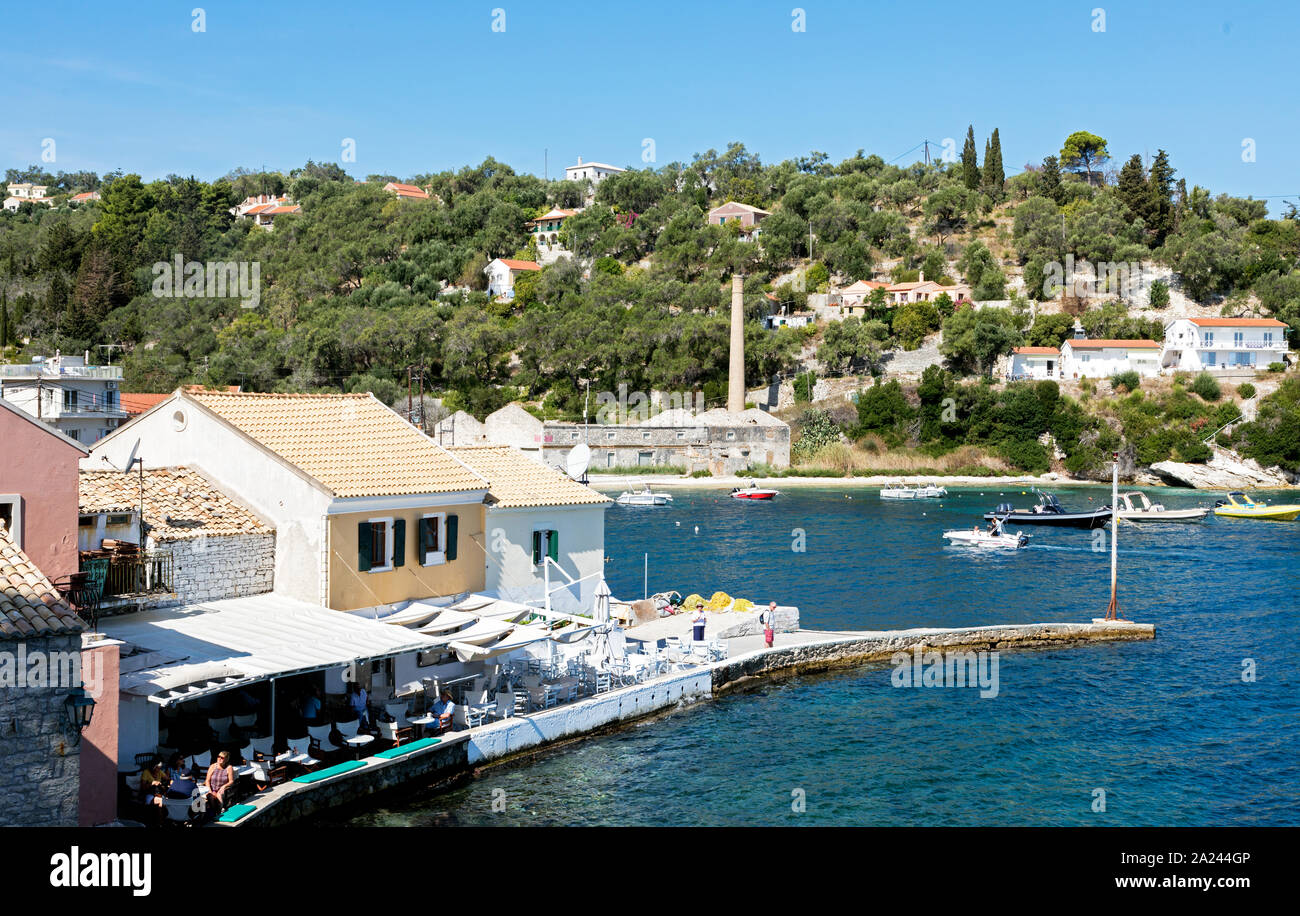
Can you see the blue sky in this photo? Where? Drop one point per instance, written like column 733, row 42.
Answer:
column 428, row 86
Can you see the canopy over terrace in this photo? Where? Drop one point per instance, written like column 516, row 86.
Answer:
column 183, row 653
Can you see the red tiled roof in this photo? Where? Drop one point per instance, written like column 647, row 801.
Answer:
column 520, row 265
column 406, row 190
column 1037, row 351
column 1118, row 344
column 138, row 403
column 1237, row 322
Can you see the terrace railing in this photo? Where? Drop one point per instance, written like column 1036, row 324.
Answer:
column 148, row 573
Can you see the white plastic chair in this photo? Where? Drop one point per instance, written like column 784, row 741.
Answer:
column 263, row 746
column 348, row 729
column 398, row 712
column 505, row 707
column 301, row 748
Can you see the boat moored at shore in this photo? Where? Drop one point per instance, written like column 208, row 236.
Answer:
column 1239, row 505
column 1049, row 511
column 1138, row 507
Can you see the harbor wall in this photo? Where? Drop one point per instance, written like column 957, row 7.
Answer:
column 857, row 649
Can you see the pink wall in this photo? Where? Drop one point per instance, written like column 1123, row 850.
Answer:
column 98, row 797
column 42, row 468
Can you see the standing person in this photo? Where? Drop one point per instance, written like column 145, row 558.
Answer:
column 311, row 706
column 360, row 703
column 699, row 621
column 768, row 619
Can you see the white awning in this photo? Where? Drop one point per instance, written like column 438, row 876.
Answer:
column 207, row 648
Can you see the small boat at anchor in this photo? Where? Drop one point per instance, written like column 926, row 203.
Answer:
column 643, row 497
column 900, row 491
column 754, row 491
column 1138, row 507
column 1049, row 511
column 1239, row 505
column 998, row 538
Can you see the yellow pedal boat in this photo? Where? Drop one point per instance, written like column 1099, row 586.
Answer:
column 1239, row 505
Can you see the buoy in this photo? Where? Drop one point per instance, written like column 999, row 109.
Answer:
column 678, row 524
column 697, row 529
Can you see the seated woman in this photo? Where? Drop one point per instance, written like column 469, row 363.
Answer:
column 153, row 786
column 180, row 780
column 219, row 779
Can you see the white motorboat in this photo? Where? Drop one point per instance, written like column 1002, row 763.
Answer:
column 899, row 491
column 644, row 497
column 997, row 538
column 1137, row 507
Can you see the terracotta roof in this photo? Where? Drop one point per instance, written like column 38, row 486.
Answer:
column 1237, row 322
column 746, row 207
column 86, row 195
column 350, row 443
column 902, row 287
column 554, row 213
column 520, row 265
column 517, row 481
column 296, row 208
column 406, row 190
column 1037, row 351
column 1117, row 344
column 179, row 503
column 29, row 604
column 139, row 402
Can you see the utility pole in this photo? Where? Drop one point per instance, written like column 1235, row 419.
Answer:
column 408, row 393
column 111, row 347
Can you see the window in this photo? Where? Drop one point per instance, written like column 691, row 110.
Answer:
column 731, row 434
column 433, row 539
column 1268, row 338
column 1207, row 339
column 681, row 434
column 118, row 520
column 70, row 399
column 74, row 435
column 646, row 435
column 86, row 521
column 1238, row 338
column 546, row 542
column 645, row 459
column 573, row 436
column 11, row 516
column 379, row 544
column 609, row 436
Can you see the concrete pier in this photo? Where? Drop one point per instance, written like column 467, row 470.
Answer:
column 749, row 662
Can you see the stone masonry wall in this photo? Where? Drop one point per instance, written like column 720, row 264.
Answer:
column 207, row 569
column 40, row 773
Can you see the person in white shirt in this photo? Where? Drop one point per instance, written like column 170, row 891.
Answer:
column 768, row 619
column 444, row 709
column 699, row 622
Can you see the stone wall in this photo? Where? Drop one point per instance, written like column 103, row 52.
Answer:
column 40, row 773
column 695, row 448
column 234, row 566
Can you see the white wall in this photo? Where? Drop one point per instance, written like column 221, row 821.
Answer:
column 295, row 507
column 508, row 543
column 1108, row 361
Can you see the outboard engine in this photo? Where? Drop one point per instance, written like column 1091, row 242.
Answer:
column 1003, row 509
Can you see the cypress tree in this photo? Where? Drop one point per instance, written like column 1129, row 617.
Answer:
column 1050, row 180
column 970, row 170
column 1132, row 188
column 1161, row 196
column 994, row 176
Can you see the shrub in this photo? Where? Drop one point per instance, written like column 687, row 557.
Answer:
column 1129, row 381
column 1159, row 294
column 1026, row 454
column 803, row 387
column 1205, row 386
column 1246, row 390
column 1193, row 450
column 1277, row 367
column 816, row 431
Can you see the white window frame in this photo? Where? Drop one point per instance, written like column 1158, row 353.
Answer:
column 15, row 516
column 388, row 544
column 439, row 556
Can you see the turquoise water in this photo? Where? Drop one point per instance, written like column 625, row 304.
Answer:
column 1167, row 728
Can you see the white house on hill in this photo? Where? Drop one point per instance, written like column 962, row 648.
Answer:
column 501, row 274
column 1224, row 343
column 1104, row 358
column 1034, row 362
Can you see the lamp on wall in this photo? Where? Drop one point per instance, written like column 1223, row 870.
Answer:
column 80, row 708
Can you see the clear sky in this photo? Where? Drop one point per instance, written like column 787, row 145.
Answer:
column 427, row 86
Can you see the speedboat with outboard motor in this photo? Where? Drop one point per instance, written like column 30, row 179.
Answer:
column 754, row 491
column 1138, row 507
column 1239, row 505
column 643, row 497
column 899, row 491
column 1049, row 511
column 994, row 536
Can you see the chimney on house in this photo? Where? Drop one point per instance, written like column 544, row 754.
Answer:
column 922, row 276
column 579, row 160
column 736, row 375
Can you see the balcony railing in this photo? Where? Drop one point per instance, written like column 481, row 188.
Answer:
column 39, row 370
column 99, row 408
column 148, row 573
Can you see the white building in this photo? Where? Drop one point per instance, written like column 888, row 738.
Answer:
column 1034, row 362
column 264, row 208
column 595, row 172
column 542, row 529
column 1104, row 358
column 27, row 193
column 1224, row 343
column 783, row 320
column 79, row 400
column 501, row 274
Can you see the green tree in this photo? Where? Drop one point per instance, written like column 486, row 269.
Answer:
column 1050, row 181
column 973, row 339
column 1133, row 189
column 1083, row 152
column 993, row 176
column 970, row 170
column 1160, row 215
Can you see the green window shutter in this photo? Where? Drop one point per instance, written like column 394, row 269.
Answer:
column 453, row 526
column 399, row 542
column 553, row 545
column 364, row 559
column 423, row 525
column 537, row 548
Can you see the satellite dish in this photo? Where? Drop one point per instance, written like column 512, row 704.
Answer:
column 130, row 461
column 579, row 459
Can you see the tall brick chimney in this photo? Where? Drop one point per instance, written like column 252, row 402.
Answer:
column 736, row 375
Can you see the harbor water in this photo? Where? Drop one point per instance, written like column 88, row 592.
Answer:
column 1200, row 726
